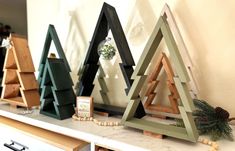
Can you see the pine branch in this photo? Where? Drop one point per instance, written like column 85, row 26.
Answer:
column 212, row 121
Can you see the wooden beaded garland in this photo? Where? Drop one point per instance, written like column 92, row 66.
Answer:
column 214, row 145
column 100, row 123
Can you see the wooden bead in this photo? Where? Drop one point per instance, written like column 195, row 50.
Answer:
column 105, row 123
column 200, row 140
column 212, row 149
column 215, row 146
column 205, row 141
column 213, row 143
column 209, row 143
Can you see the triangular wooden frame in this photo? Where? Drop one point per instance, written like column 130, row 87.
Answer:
column 166, row 13
column 57, row 96
column 20, row 87
column 186, row 107
column 51, row 36
column 162, row 63
column 108, row 19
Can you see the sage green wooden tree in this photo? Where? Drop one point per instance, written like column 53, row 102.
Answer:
column 186, row 106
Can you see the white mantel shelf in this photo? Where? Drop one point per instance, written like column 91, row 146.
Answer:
column 118, row 138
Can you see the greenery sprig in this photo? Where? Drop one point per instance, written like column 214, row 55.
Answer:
column 212, row 121
column 106, row 50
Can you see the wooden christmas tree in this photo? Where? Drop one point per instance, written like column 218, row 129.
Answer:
column 108, row 20
column 20, row 87
column 164, row 63
column 57, row 95
column 180, row 79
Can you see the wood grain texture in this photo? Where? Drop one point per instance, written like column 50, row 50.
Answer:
column 162, row 63
column 22, row 54
column 55, row 139
column 30, row 97
column 10, row 62
column 10, row 91
column 16, row 101
column 27, row 81
column 10, row 77
column 20, row 85
column 168, row 68
column 154, row 135
column 149, row 100
column 160, row 108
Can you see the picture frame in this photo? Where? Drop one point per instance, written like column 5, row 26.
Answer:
column 84, row 106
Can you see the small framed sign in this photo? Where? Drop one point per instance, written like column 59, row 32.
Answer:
column 84, row 106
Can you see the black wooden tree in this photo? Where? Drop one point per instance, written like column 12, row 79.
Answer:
column 57, row 95
column 108, row 20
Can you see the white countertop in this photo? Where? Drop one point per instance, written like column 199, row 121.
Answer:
column 113, row 137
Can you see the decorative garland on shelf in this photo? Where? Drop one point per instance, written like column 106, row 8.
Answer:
column 100, row 123
column 214, row 145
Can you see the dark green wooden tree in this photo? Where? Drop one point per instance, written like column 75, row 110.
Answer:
column 57, row 95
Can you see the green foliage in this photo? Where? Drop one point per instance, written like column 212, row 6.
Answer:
column 212, row 121
column 106, row 50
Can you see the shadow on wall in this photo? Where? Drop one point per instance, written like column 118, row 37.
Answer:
column 194, row 37
column 209, row 29
column 76, row 44
column 141, row 22
column 81, row 25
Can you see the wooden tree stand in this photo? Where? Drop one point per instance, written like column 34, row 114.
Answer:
column 155, row 135
column 20, row 87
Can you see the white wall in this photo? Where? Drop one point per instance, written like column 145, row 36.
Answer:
column 206, row 26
